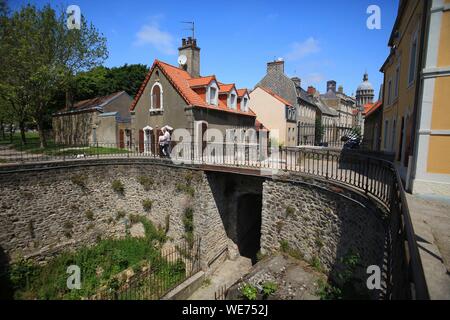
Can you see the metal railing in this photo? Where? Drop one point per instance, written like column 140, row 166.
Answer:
column 172, row 267
column 373, row 176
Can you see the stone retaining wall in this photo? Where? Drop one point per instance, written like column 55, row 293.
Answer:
column 324, row 222
column 43, row 212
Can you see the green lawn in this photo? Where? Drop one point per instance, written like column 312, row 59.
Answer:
column 52, row 149
column 98, row 266
column 89, row 151
column 31, row 137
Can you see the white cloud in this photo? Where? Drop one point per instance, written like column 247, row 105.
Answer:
column 302, row 49
column 314, row 78
column 151, row 34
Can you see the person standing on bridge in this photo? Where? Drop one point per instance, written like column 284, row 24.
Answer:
column 164, row 142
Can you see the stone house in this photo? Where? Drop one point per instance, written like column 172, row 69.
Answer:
column 290, row 89
column 276, row 113
column 342, row 103
column 373, row 118
column 103, row 120
column 178, row 97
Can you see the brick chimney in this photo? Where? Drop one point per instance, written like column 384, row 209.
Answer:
column 275, row 66
column 192, row 52
column 311, row 90
column 341, row 89
column 331, row 85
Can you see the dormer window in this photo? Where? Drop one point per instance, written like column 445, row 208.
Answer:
column 244, row 104
column 232, row 100
column 156, row 99
column 212, row 94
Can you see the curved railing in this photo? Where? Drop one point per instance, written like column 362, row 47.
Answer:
column 375, row 177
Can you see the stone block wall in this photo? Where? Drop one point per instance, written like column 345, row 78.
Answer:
column 322, row 222
column 43, row 212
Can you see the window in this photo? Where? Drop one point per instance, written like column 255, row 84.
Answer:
column 245, row 104
column 412, row 60
column 393, row 136
column 156, row 97
column 397, row 79
column 389, row 92
column 386, row 130
column 212, row 95
column 232, row 103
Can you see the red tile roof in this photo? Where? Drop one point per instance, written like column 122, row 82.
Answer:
column 202, row 81
column 183, row 83
column 225, row 88
column 242, row 92
column 371, row 108
column 276, row 96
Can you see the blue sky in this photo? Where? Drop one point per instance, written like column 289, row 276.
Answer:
column 319, row 40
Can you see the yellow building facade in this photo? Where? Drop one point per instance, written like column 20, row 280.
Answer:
column 416, row 96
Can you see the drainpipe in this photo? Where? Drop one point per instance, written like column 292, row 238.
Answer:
column 419, row 90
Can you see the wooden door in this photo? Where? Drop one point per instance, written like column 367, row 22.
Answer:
column 141, row 141
column 121, row 139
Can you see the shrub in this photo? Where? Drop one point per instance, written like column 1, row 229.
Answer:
column 249, row 292
column 260, row 256
column 147, row 204
column 89, row 215
column 315, row 263
column 120, row 214
column 188, row 220
column 318, row 242
column 79, row 180
column 68, row 233
column 289, row 211
column 146, row 182
column 279, row 225
column 118, row 186
column 284, row 246
column 269, row 288
column 188, row 177
column 134, row 218
column 185, row 189
column 68, row 225
column 326, row 291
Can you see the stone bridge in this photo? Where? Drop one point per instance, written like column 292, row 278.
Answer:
column 318, row 204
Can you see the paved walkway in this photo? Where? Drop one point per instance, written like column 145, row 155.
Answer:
column 431, row 220
column 226, row 275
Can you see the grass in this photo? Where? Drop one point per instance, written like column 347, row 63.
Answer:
column 146, row 182
column 147, row 204
column 118, row 187
column 111, row 256
column 33, row 146
column 287, row 249
column 188, row 223
column 79, row 180
column 249, row 292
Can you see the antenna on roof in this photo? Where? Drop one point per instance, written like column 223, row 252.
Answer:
column 192, row 28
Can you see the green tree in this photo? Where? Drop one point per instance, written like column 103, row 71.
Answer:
column 42, row 57
column 101, row 81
